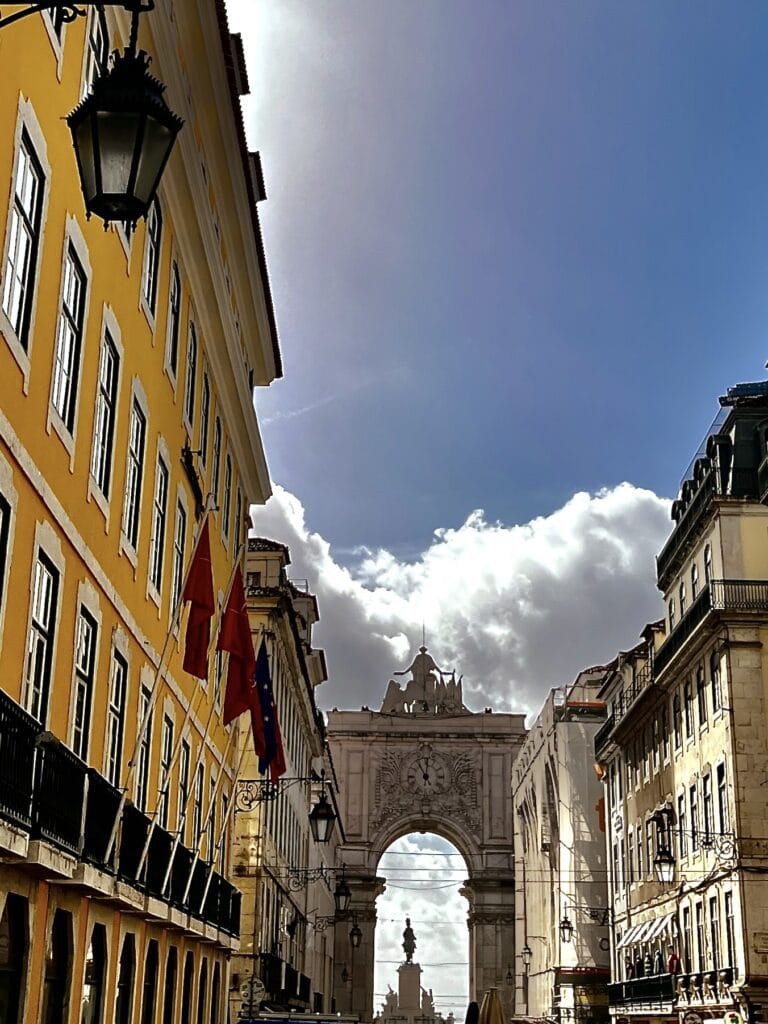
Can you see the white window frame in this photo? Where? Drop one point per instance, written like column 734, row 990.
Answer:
column 144, row 748
column 47, row 544
column 56, row 41
column 116, row 715
column 151, row 264
column 179, row 554
column 90, row 59
column 127, row 544
column 109, row 326
column 156, row 562
column 26, row 123
column 11, row 497
column 205, row 417
column 167, row 740
column 172, row 367
column 226, row 499
column 88, row 604
column 218, row 438
column 190, row 377
column 74, row 244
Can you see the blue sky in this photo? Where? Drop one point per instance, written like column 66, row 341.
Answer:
column 517, row 248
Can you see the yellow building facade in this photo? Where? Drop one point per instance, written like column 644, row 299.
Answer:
column 128, row 360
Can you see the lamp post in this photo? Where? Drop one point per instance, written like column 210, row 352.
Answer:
column 123, row 131
column 565, row 926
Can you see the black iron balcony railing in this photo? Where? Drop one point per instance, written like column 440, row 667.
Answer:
column 100, row 809
column 59, row 794
column 17, row 762
column 717, row 595
column 49, row 793
column 272, row 973
column 654, row 988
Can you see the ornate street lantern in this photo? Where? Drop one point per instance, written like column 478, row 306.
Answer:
column 355, row 935
column 664, row 861
column 322, row 820
column 123, row 133
column 566, row 928
column 342, row 897
column 527, row 954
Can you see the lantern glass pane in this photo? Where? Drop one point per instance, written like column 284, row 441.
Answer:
column 155, row 146
column 117, row 144
column 86, row 157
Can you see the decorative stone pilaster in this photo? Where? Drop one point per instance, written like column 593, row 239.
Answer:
column 491, row 924
column 355, row 994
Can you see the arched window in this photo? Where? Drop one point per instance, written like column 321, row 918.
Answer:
column 174, row 319
column 202, row 991
column 186, row 988
column 169, row 993
column 92, row 1006
column 58, row 963
column 215, row 995
column 671, row 614
column 681, row 595
column 125, row 982
column 694, row 581
column 13, row 947
column 150, row 983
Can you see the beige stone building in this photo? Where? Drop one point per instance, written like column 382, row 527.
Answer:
column 561, row 970
column 287, row 879
column 685, row 749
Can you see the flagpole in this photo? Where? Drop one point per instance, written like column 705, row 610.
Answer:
column 177, row 747
column 155, row 690
column 238, row 563
column 196, row 852
column 222, row 833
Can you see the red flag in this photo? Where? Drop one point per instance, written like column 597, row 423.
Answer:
column 198, row 590
column 235, row 637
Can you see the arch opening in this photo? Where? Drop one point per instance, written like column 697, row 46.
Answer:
column 423, row 872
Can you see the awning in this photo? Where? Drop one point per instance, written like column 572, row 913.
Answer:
column 628, row 936
column 661, row 924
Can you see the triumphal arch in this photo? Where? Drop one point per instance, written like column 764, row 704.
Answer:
column 425, row 763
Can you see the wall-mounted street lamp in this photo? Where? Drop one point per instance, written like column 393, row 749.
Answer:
column 510, row 979
column 342, row 896
column 355, row 934
column 123, row 131
column 527, row 955
column 322, row 819
column 344, row 974
column 566, row 927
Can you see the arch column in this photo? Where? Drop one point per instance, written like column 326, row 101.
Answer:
column 491, row 924
column 355, row 995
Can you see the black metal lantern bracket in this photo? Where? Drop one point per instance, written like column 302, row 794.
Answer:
column 71, row 9
column 250, row 792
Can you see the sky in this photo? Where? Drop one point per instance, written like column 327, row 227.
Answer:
column 517, row 250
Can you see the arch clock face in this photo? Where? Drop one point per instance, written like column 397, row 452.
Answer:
column 427, row 774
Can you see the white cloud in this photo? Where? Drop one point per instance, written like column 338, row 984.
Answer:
column 515, row 608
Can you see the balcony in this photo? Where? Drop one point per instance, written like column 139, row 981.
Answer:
column 641, row 684
column 740, row 596
column 686, row 527
column 655, row 990
column 50, row 794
